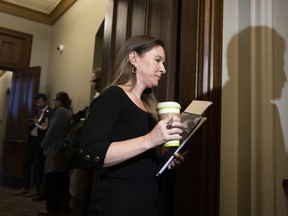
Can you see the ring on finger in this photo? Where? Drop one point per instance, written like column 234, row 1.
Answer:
column 169, row 123
column 169, row 126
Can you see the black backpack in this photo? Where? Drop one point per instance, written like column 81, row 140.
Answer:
column 74, row 155
column 72, row 137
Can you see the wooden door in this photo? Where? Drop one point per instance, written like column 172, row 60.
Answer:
column 15, row 49
column 200, row 58
column 24, row 87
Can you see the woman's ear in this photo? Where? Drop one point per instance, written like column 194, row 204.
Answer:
column 133, row 57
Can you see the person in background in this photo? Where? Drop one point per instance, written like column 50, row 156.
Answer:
column 57, row 179
column 123, row 135
column 33, row 159
column 95, row 79
column 91, row 177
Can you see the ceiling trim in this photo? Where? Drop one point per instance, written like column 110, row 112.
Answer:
column 27, row 13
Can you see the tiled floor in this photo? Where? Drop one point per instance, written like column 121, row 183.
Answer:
column 22, row 206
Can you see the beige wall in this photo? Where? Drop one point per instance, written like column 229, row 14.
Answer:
column 254, row 139
column 71, row 70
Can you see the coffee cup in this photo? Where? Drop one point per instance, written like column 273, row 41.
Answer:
column 169, row 109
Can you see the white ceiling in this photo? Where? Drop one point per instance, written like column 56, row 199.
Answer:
column 44, row 11
column 43, row 6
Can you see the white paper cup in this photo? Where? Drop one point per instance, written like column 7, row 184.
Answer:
column 169, row 109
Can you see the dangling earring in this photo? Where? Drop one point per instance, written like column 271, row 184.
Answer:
column 134, row 69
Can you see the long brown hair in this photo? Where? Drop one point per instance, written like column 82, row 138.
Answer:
column 122, row 69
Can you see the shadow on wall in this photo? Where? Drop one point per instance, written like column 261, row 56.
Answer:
column 255, row 61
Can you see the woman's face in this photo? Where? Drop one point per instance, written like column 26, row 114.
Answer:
column 150, row 67
column 56, row 103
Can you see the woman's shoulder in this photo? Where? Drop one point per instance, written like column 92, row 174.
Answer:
column 61, row 111
column 112, row 97
column 113, row 92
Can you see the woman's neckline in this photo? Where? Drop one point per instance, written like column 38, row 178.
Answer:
column 135, row 100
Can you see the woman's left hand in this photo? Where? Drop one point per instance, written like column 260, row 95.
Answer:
column 177, row 161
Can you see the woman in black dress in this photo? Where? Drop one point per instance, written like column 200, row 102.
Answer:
column 122, row 133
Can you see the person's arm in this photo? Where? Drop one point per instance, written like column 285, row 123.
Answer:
column 124, row 150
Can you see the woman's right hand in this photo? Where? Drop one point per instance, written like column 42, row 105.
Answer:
column 161, row 133
column 126, row 149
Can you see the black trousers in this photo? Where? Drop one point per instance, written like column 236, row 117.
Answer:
column 56, row 190
column 33, row 160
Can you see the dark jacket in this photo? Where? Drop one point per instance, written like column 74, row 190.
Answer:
column 53, row 142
